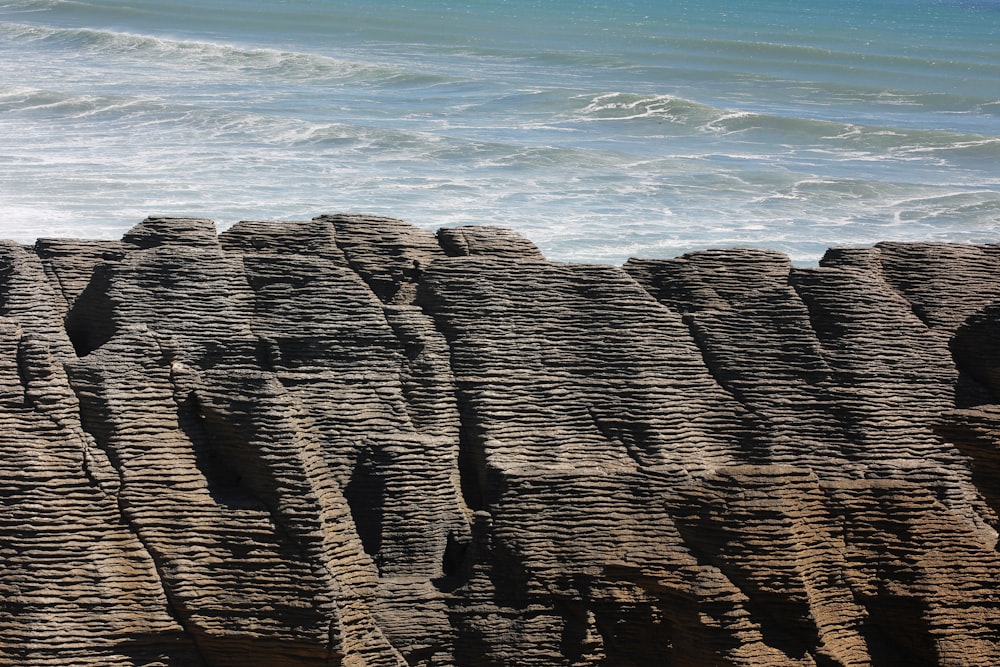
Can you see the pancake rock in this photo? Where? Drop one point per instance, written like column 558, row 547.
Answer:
column 350, row 441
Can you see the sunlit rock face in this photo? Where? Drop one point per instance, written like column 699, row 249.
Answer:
column 349, row 441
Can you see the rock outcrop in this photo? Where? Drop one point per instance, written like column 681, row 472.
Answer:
column 348, row 441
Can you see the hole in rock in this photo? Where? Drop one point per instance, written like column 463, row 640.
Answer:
column 365, row 494
column 90, row 323
column 897, row 633
column 472, row 470
column 454, row 555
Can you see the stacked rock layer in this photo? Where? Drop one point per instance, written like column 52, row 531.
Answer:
column 349, row 441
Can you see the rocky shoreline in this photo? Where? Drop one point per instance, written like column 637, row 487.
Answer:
column 349, row 441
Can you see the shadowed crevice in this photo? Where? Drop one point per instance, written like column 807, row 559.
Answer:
column 90, row 321
column 222, row 455
column 366, row 496
column 897, row 633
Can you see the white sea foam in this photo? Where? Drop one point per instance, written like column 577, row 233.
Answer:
column 595, row 138
column 206, row 57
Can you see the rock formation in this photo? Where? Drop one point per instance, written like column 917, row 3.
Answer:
column 348, row 441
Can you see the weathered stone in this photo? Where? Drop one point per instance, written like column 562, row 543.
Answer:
column 346, row 441
column 485, row 240
column 69, row 263
column 76, row 585
column 388, row 254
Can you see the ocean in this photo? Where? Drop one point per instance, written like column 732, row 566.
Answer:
column 600, row 130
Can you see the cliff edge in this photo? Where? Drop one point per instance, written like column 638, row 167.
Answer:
column 349, row 441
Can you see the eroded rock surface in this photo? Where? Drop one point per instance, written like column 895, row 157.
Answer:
column 348, row 441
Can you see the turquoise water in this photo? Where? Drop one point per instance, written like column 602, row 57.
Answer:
column 600, row 130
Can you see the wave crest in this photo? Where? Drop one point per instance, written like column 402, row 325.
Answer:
column 203, row 55
column 631, row 106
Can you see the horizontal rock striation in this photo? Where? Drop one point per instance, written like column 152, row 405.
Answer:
column 349, row 441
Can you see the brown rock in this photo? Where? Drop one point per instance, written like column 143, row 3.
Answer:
column 485, row 240
column 346, row 441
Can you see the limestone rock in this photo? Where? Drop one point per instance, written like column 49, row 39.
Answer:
column 69, row 263
column 348, row 441
column 77, row 586
column 388, row 254
column 485, row 240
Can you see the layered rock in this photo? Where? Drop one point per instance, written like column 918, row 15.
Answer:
column 78, row 586
column 348, row 441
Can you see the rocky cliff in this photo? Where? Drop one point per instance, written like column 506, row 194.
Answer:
column 348, row 441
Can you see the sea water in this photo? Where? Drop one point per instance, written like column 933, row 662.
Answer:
column 599, row 129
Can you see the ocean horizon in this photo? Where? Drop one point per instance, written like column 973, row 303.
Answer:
column 600, row 131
